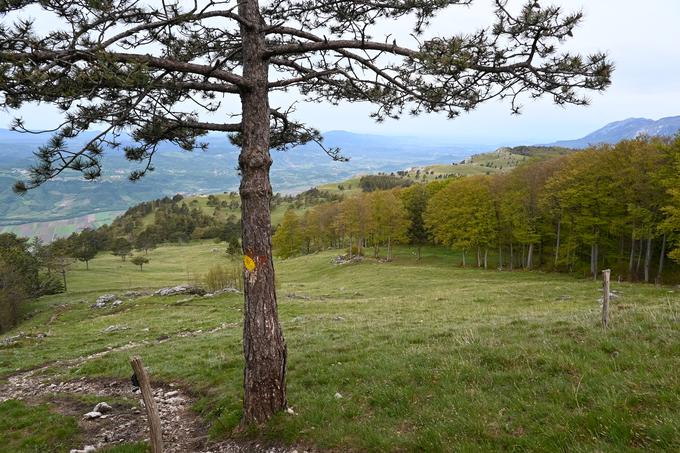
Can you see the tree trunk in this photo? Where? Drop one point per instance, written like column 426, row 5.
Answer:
column 419, row 252
column 263, row 344
column 605, row 297
column 486, row 259
column 648, row 258
column 389, row 248
column 639, row 258
column 87, row 265
column 530, row 254
column 500, row 257
column 661, row 258
column 593, row 260
column 631, row 260
column 479, row 258
column 512, row 258
column 557, row 242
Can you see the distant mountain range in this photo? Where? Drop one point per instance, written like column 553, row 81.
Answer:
column 623, row 130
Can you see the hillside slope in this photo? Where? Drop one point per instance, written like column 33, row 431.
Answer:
column 423, row 355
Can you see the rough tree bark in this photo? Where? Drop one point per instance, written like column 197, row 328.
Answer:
column 263, row 343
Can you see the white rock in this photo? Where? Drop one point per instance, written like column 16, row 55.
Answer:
column 338, row 396
column 92, row 415
column 103, row 408
column 290, row 411
column 181, row 289
column 103, row 300
column 114, row 328
column 171, row 394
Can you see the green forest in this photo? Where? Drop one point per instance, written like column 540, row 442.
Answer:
column 612, row 206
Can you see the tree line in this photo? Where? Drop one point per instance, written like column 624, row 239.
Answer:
column 26, row 271
column 611, row 206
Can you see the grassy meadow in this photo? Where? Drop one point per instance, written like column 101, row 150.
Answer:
column 426, row 355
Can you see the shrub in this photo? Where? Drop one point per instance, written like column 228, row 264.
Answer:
column 356, row 250
column 227, row 276
column 50, row 284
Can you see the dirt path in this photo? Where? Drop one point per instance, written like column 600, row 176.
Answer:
column 183, row 430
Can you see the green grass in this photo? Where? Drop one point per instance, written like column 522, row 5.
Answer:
column 35, row 428
column 427, row 356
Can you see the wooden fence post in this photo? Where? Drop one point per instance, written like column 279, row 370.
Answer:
column 156, row 435
column 605, row 297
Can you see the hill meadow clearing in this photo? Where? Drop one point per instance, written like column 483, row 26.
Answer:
column 401, row 356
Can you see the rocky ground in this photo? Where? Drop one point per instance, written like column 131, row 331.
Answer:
column 119, row 416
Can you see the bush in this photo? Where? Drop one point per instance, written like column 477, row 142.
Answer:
column 50, row 284
column 221, row 277
column 8, row 311
column 356, row 251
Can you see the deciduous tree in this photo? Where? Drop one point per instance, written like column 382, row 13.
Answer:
column 140, row 261
column 121, row 247
column 288, row 237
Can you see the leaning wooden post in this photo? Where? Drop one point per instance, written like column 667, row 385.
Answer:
column 605, row 297
column 150, row 405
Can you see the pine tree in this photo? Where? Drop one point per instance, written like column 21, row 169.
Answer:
column 158, row 72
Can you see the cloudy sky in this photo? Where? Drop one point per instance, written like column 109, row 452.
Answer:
column 640, row 37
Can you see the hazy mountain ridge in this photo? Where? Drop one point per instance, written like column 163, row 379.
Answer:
column 624, row 130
